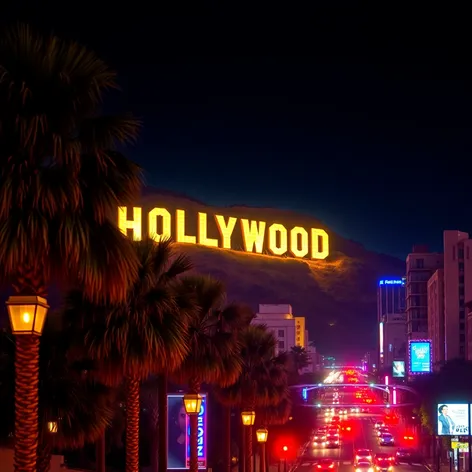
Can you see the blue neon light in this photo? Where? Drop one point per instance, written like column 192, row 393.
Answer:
column 391, row 282
column 305, row 393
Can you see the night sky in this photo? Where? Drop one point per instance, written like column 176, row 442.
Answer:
column 360, row 116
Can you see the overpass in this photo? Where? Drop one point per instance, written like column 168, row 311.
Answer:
column 381, row 387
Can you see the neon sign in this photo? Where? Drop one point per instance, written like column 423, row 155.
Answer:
column 391, row 282
column 255, row 237
column 178, row 431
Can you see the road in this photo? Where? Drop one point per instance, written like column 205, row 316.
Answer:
column 362, row 436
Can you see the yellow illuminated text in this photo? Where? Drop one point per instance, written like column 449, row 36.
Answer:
column 319, row 244
column 256, row 236
column 253, row 235
column 135, row 224
column 277, row 248
column 299, row 241
column 165, row 226
column 181, row 237
column 225, row 229
column 203, row 232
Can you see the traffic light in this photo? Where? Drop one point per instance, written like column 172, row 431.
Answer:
column 285, row 448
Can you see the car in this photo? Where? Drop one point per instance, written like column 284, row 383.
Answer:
column 363, row 466
column 363, row 455
column 383, row 462
column 408, row 455
column 382, row 430
column 325, row 464
column 332, row 440
column 319, row 438
column 386, row 439
column 379, row 424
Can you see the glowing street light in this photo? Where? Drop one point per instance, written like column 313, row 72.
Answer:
column 192, row 403
column 248, row 418
column 261, row 435
column 27, row 315
column 52, row 426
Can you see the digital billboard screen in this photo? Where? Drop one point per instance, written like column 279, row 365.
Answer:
column 398, row 369
column 178, row 434
column 453, row 419
column 420, row 356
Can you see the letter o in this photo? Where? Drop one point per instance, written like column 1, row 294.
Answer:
column 281, row 248
column 299, row 250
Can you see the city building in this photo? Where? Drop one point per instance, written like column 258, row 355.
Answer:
column 289, row 330
column 391, row 319
column 420, row 266
column 448, row 291
column 436, row 317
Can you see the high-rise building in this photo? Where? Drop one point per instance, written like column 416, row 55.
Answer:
column 391, row 321
column 448, row 291
column 420, row 266
column 436, row 317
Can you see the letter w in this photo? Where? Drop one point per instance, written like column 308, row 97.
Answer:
column 253, row 235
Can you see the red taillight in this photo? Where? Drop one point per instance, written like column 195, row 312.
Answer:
column 331, row 466
column 319, row 466
column 348, row 428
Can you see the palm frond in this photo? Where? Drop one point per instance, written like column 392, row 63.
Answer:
column 60, row 169
column 145, row 334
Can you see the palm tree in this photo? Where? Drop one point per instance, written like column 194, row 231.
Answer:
column 145, row 334
column 73, row 410
column 213, row 345
column 298, row 359
column 263, row 381
column 60, row 177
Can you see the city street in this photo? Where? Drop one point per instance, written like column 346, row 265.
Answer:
column 362, row 435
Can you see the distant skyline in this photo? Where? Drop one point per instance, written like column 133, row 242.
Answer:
column 358, row 115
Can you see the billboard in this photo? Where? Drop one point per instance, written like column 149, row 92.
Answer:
column 453, row 419
column 178, row 434
column 419, row 354
column 398, row 369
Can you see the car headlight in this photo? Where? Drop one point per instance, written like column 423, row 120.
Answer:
column 358, row 470
column 371, row 470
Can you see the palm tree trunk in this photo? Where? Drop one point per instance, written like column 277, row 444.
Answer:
column 100, row 453
column 226, row 439
column 194, row 387
column 44, row 457
column 132, row 425
column 163, row 421
column 26, row 402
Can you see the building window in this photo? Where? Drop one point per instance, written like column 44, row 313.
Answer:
column 419, row 263
column 281, row 333
column 462, row 326
column 281, row 344
column 461, row 350
column 462, row 338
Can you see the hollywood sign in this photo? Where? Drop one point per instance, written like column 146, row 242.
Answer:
column 257, row 236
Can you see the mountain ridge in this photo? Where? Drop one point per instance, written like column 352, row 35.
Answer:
column 336, row 295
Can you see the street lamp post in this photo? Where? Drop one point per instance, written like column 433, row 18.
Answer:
column 261, row 435
column 248, row 417
column 27, row 316
column 193, row 404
